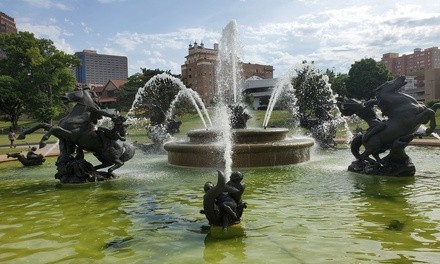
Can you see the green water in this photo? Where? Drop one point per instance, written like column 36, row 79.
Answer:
column 315, row 212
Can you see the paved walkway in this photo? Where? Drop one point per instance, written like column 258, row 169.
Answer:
column 50, row 150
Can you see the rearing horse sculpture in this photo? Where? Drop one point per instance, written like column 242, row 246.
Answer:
column 405, row 115
column 78, row 128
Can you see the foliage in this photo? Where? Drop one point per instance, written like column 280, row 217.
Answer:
column 338, row 83
column 127, row 94
column 248, row 99
column 40, row 73
column 311, row 91
column 11, row 103
column 160, row 92
column 364, row 76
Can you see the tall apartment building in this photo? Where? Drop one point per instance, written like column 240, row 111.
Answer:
column 421, row 66
column 412, row 64
column 7, row 24
column 198, row 72
column 98, row 69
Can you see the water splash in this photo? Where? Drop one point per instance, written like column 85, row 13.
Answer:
column 228, row 70
column 184, row 92
column 283, row 84
column 51, row 148
column 228, row 77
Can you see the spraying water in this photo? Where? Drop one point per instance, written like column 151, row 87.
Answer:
column 184, row 92
column 228, row 76
column 283, row 84
column 51, row 148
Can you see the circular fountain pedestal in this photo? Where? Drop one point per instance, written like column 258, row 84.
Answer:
column 251, row 148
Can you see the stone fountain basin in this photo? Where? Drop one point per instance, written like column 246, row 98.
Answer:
column 252, row 148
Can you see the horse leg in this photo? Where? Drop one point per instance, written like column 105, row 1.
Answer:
column 31, row 130
column 58, row 132
column 427, row 115
column 118, row 164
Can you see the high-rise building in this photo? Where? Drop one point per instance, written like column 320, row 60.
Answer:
column 98, row 69
column 198, row 72
column 7, row 24
column 421, row 68
column 412, row 64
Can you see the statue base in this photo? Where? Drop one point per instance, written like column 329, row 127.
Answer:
column 80, row 171
column 387, row 167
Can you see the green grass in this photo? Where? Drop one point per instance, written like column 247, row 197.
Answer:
column 189, row 122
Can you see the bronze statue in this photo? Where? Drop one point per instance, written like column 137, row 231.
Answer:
column 77, row 132
column 239, row 116
column 222, row 203
column 404, row 117
column 31, row 158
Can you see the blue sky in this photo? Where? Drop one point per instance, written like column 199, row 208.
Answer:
column 155, row 34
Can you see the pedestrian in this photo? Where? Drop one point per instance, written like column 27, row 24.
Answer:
column 11, row 137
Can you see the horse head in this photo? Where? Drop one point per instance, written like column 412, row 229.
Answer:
column 391, row 86
column 83, row 97
column 349, row 106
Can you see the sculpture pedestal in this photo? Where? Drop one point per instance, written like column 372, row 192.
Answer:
column 401, row 168
column 80, row 171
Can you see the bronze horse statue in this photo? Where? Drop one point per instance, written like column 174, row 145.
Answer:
column 404, row 117
column 78, row 129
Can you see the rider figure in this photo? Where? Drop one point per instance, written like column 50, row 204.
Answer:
column 32, row 155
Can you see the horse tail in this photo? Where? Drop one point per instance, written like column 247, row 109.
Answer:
column 129, row 151
column 355, row 146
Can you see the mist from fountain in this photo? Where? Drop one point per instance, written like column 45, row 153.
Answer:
column 184, row 92
column 228, row 76
column 283, row 84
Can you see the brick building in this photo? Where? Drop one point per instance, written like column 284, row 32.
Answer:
column 198, row 72
column 7, row 24
column 421, row 66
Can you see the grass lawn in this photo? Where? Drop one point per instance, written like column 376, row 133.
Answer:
column 189, row 122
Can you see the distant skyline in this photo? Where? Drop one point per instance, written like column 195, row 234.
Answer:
column 282, row 33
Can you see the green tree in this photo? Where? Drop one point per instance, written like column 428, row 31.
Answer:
column 127, row 94
column 11, row 103
column 160, row 93
column 364, row 76
column 41, row 73
column 311, row 91
column 339, row 84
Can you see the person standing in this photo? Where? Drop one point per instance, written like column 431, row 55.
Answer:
column 11, row 137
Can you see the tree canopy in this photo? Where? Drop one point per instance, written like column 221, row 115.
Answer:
column 364, row 76
column 33, row 75
column 159, row 93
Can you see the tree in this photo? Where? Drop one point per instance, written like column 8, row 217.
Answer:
column 364, row 76
column 40, row 71
column 159, row 93
column 127, row 93
column 315, row 104
column 339, row 84
column 11, row 103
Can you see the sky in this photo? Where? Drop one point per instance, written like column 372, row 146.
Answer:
column 155, row 34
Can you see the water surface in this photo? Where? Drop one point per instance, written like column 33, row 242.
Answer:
column 315, row 212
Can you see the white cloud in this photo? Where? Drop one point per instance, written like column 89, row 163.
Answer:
column 51, row 32
column 47, row 4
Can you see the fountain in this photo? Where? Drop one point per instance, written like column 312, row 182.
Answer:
column 228, row 146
